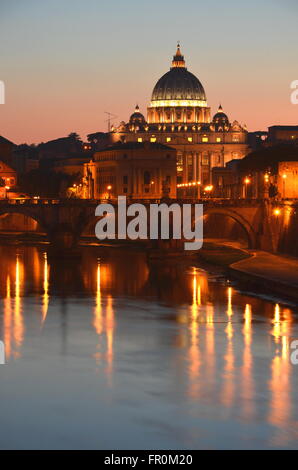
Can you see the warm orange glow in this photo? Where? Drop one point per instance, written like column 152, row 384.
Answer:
column 248, row 381
column 227, row 395
column 194, row 351
column 8, row 320
column 97, row 322
column 103, row 321
column 230, row 307
column 276, row 322
column 276, row 211
column 18, row 318
column 280, row 384
column 208, row 188
column 247, row 181
column 45, row 289
column 178, row 103
column 110, row 326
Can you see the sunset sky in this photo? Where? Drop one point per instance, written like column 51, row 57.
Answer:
column 65, row 62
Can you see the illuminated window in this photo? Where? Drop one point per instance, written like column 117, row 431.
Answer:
column 140, row 139
column 189, row 139
column 205, row 139
column 153, row 139
column 218, row 139
column 235, row 138
column 169, row 139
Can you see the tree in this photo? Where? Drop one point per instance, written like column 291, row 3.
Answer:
column 74, row 136
column 44, row 182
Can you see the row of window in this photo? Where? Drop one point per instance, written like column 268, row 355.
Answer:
column 147, row 178
column 190, row 139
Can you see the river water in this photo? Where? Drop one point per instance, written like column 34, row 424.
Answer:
column 110, row 352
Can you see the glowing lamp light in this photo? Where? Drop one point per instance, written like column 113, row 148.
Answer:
column 109, row 188
column 208, row 188
column 284, row 176
column 7, row 187
column 276, row 212
column 247, row 181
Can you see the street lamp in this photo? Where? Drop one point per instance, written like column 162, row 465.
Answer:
column 7, row 188
column 109, row 190
column 247, row 182
column 208, row 189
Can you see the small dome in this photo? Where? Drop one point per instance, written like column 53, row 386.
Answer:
column 220, row 117
column 137, row 117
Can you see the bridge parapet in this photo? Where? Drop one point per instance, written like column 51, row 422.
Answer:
column 91, row 202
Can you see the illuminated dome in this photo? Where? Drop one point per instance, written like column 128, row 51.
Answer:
column 179, row 85
column 178, row 97
column 137, row 117
column 220, row 117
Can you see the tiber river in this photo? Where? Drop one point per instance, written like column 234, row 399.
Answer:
column 111, row 352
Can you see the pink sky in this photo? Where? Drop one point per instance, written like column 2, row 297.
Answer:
column 63, row 71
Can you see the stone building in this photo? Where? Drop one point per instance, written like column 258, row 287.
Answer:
column 287, row 180
column 8, row 179
column 278, row 134
column 138, row 170
column 178, row 116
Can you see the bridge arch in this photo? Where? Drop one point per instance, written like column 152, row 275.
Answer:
column 239, row 219
column 28, row 213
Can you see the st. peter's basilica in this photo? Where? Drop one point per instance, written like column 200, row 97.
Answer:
column 178, row 116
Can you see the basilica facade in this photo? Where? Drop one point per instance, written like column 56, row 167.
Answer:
column 178, row 116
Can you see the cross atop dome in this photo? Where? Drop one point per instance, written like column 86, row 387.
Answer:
column 178, row 59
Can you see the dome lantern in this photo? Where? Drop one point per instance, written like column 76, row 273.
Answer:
column 178, row 59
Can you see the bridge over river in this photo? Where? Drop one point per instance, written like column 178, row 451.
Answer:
column 64, row 221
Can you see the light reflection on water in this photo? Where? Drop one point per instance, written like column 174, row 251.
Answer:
column 173, row 354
